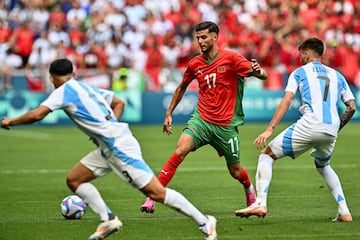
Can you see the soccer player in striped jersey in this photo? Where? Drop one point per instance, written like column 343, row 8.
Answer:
column 321, row 90
column 220, row 75
column 96, row 112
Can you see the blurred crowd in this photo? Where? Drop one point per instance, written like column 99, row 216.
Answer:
column 155, row 37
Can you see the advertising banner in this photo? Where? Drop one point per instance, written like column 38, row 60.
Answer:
column 150, row 107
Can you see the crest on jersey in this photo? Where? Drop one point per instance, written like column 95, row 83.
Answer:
column 221, row 69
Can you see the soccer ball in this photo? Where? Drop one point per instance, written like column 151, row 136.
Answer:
column 72, row 207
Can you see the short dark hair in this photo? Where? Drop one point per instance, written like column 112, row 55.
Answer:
column 212, row 27
column 61, row 67
column 313, row 44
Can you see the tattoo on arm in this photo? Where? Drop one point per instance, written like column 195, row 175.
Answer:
column 348, row 113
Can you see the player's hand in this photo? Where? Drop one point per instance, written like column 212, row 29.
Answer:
column 167, row 127
column 260, row 141
column 5, row 123
column 255, row 65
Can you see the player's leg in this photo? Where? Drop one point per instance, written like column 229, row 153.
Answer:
column 226, row 141
column 78, row 180
column 240, row 174
column 156, row 191
column 192, row 137
column 292, row 142
column 322, row 155
column 130, row 166
column 263, row 175
column 184, row 146
column 263, row 178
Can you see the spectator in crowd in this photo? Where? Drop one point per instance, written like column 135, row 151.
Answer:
column 5, row 72
column 161, row 26
column 36, row 68
column 40, row 55
column 5, row 69
column 94, row 57
column 115, row 18
column 57, row 16
column 154, row 64
column 119, row 80
column 76, row 15
column 135, row 12
column 272, row 29
column 21, row 41
column 57, row 33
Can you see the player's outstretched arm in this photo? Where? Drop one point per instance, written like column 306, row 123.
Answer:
column 27, row 118
column 280, row 111
column 348, row 113
column 178, row 94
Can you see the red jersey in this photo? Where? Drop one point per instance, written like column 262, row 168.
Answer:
column 221, row 86
column 24, row 40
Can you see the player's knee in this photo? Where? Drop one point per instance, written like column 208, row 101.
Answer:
column 320, row 164
column 72, row 182
column 155, row 190
column 269, row 152
column 157, row 195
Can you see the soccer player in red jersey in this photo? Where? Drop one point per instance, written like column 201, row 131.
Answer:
column 220, row 74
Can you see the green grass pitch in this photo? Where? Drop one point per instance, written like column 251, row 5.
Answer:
column 35, row 160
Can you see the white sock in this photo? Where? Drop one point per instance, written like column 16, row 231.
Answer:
column 333, row 182
column 92, row 197
column 263, row 178
column 177, row 201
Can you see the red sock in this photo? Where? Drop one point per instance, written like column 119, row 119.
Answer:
column 244, row 178
column 169, row 169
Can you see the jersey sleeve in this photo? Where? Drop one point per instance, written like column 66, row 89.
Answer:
column 189, row 73
column 107, row 94
column 293, row 82
column 55, row 99
column 242, row 66
column 345, row 91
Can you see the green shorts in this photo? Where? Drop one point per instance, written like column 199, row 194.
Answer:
column 225, row 140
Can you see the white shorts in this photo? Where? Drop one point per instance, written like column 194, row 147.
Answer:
column 298, row 138
column 125, row 160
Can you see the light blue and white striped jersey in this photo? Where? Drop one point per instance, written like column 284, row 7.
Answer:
column 321, row 90
column 89, row 108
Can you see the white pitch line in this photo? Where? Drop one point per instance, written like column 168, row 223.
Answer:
column 25, row 134
column 182, row 169
column 290, row 167
column 32, row 171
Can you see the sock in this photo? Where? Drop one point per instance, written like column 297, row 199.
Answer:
column 263, row 178
column 333, row 182
column 168, row 170
column 178, row 202
column 92, row 197
column 244, row 178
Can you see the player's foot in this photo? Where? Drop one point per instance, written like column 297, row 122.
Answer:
column 148, row 206
column 106, row 228
column 343, row 218
column 250, row 197
column 209, row 229
column 254, row 209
